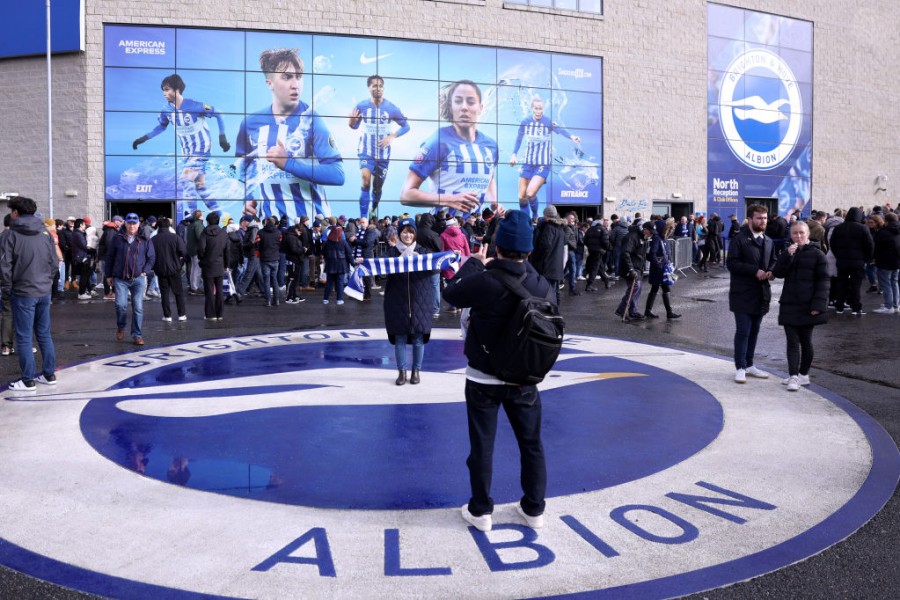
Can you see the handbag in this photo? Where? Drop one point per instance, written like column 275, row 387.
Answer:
column 669, row 275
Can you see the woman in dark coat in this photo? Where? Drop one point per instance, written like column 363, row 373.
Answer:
column 658, row 255
column 408, row 300
column 338, row 254
column 804, row 300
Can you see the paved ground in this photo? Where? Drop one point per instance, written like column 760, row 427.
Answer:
column 856, row 358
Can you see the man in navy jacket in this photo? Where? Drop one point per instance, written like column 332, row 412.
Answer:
column 129, row 258
column 492, row 305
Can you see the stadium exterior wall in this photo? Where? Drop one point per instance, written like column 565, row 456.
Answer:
column 655, row 81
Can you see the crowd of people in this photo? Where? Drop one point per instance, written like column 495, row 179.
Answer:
column 498, row 260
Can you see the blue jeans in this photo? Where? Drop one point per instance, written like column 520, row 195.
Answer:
column 334, row 281
column 251, row 273
column 137, row 287
column 436, row 283
column 33, row 314
column 887, row 281
column 745, row 334
column 522, row 405
column 270, row 279
column 418, row 344
column 573, row 267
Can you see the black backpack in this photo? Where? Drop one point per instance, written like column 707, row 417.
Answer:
column 532, row 338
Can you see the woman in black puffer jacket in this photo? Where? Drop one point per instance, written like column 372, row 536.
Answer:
column 803, row 302
column 408, row 299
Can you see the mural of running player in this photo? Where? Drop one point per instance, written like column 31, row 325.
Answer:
column 374, row 149
column 458, row 159
column 286, row 150
column 535, row 131
column 192, row 130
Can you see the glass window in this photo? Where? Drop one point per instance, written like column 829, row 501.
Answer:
column 589, row 6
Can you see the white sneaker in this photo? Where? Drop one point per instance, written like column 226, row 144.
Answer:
column 881, row 310
column 340, row 302
column 84, row 296
column 182, row 318
column 793, row 383
column 46, row 379
column 752, row 371
column 740, row 376
column 533, row 522
column 21, row 386
column 324, row 301
column 167, row 319
column 804, row 379
column 482, row 523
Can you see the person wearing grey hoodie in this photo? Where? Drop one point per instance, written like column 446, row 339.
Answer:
column 28, row 265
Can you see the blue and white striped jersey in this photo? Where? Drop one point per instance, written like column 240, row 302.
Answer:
column 375, row 122
column 456, row 165
column 191, row 127
column 536, row 134
column 313, row 161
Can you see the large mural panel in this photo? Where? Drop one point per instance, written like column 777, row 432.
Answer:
column 760, row 100
column 281, row 123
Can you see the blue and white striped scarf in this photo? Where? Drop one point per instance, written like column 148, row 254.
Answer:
column 400, row 264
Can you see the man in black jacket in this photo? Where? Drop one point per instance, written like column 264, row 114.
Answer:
column 492, row 305
column 853, row 248
column 549, row 256
column 295, row 254
column 634, row 255
column 751, row 258
column 269, row 255
column 170, row 257
column 596, row 240
column 212, row 256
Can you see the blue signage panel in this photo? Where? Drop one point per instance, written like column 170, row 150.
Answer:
column 285, row 123
column 760, row 100
column 26, row 31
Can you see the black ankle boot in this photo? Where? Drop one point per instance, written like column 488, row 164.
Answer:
column 670, row 314
column 401, row 378
column 414, row 377
column 650, row 315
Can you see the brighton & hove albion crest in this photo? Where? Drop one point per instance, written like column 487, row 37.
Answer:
column 760, row 108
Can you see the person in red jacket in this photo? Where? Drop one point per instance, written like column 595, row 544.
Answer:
column 454, row 239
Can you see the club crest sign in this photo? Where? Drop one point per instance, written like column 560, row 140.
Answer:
column 761, row 109
column 291, row 465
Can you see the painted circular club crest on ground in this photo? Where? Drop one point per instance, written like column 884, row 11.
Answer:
column 292, row 466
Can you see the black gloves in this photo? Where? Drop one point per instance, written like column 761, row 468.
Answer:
column 223, row 142
column 139, row 141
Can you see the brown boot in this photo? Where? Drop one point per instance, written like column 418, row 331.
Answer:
column 401, row 378
column 414, row 377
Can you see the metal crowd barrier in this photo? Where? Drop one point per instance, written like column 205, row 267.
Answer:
column 682, row 252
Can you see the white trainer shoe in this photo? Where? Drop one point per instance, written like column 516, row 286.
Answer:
column 793, row 383
column 533, row 522
column 752, row 371
column 803, row 379
column 740, row 376
column 482, row 523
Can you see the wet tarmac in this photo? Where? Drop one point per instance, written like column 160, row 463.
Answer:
column 856, row 357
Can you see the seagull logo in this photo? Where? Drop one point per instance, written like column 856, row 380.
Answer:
column 368, row 60
column 758, row 110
